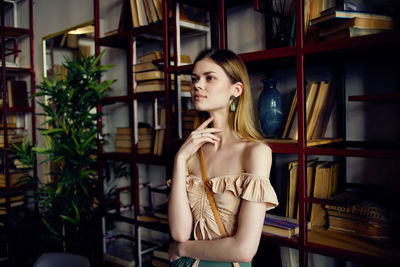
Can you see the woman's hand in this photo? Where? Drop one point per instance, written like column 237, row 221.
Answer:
column 173, row 252
column 197, row 138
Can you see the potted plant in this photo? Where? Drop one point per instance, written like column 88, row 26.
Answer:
column 68, row 202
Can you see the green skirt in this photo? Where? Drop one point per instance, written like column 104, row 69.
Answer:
column 188, row 262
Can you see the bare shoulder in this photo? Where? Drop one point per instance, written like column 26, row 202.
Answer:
column 257, row 158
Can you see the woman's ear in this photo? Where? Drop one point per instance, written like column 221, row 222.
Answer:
column 237, row 89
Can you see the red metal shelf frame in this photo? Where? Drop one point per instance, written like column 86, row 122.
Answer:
column 298, row 54
column 6, row 31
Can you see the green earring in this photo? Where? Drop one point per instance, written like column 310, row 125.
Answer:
column 233, row 104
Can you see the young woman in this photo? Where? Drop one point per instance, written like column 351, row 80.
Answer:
column 237, row 165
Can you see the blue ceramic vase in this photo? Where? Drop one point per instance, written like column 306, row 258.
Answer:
column 270, row 111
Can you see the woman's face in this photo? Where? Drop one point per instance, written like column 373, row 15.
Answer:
column 211, row 88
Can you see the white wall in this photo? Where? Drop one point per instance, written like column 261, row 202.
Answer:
column 51, row 16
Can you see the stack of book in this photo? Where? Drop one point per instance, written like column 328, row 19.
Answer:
column 14, row 177
column 159, row 133
column 123, row 140
column 322, row 182
column 145, row 12
column 15, row 201
column 325, row 186
column 350, row 18
column 160, row 257
column 319, row 107
column 19, row 165
column 150, row 77
column 145, row 138
column 12, row 137
column 17, row 94
column 190, row 120
column 282, row 226
column 357, row 216
column 11, row 121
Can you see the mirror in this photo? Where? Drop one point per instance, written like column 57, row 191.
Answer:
column 70, row 43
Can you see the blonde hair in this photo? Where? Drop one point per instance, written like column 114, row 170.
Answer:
column 242, row 120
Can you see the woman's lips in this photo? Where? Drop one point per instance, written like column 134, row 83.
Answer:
column 198, row 97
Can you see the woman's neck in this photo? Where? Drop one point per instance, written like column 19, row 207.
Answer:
column 228, row 135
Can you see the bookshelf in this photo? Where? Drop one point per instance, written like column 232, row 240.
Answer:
column 300, row 57
column 131, row 43
column 17, row 64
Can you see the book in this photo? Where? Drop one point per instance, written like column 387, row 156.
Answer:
column 324, row 174
column 282, row 226
column 354, row 204
column 15, row 198
column 321, row 101
column 159, row 135
column 348, row 5
column 147, row 11
column 352, row 32
column 161, row 253
column 159, row 8
column 312, row 88
column 292, row 190
column 134, row 13
column 357, row 217
column 17, row 94
column 141, row 13
column 123, row 130
column 14, row 178
column 292, row 206
column 15, row 138
column 156, row 55
column 312, row 94
column 359, row 227
column 124, row 149
column 153, row 11
column 363, row 23
column 146, row 66
column 341, row 15
column 291, row 117
column 149, row 75
column 150, row 86
column 156, row 262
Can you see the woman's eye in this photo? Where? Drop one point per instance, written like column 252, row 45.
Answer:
column 209, row 78
column 194, row 79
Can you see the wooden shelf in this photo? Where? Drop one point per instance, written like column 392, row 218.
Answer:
column 17, row 70
column 375, row 98
column 121, row 40
column 352, row 247
column 129, row 157
column 353, row 152
column 116, row 99
column 373, row 40
column 149, row 95
column 281, row 241
column 128, row 218
column 24, row 109
column 15, row 32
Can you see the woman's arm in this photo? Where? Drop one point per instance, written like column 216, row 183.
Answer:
column 244, row 244
column 238, row 248
column 180, row 219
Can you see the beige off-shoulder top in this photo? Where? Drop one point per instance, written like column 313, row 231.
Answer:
column 228, row 191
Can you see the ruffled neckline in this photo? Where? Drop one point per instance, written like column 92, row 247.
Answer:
column 227, row 175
